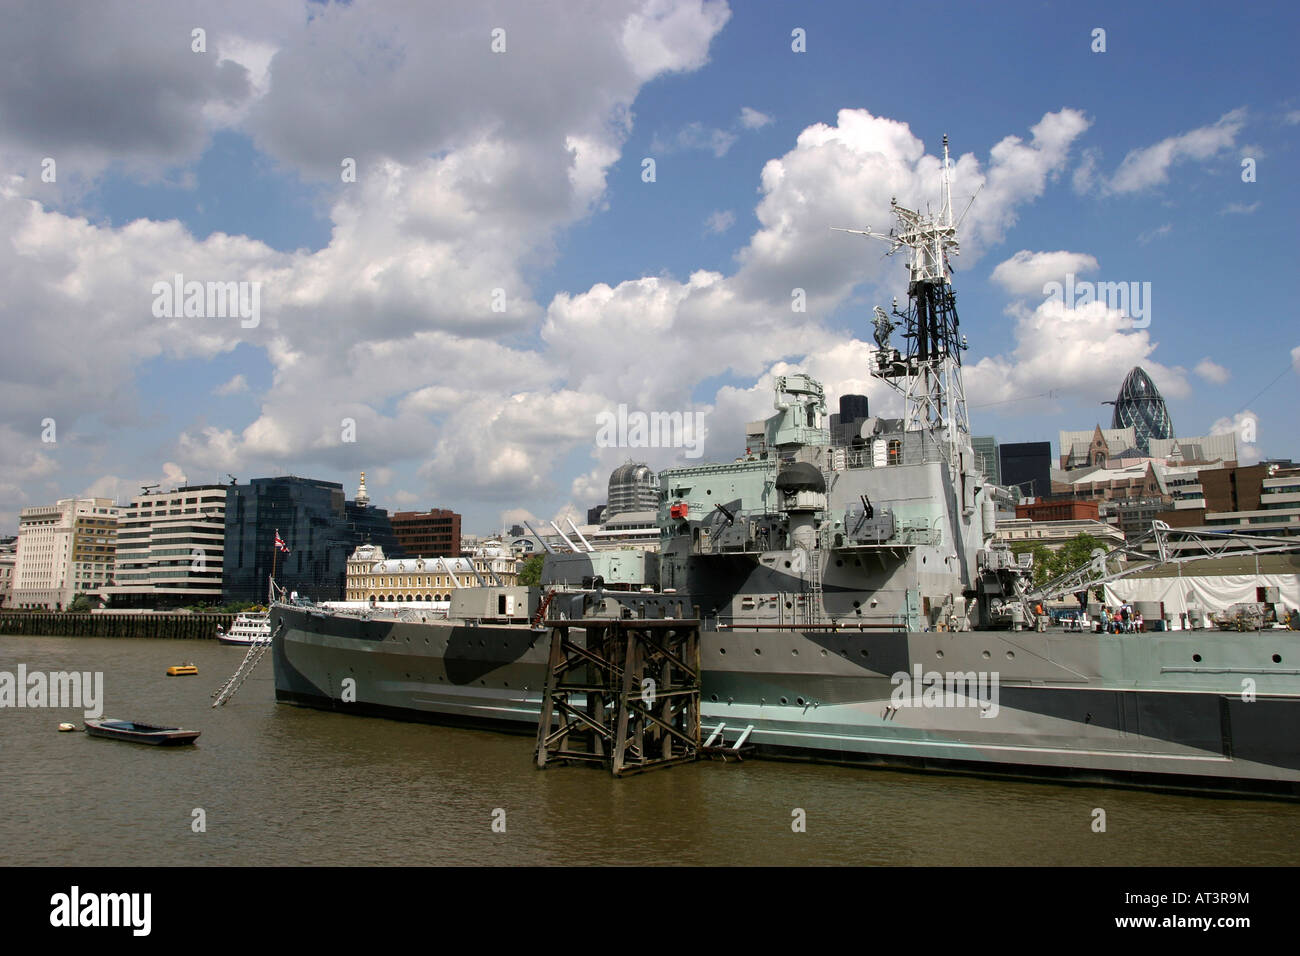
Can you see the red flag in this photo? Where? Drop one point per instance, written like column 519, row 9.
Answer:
column 279, row 543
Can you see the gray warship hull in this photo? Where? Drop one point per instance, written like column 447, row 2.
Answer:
column 1162, row 710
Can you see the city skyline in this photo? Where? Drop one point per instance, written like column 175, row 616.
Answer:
column 369, row 179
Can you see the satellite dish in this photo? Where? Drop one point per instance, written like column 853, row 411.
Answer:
column 870, row 427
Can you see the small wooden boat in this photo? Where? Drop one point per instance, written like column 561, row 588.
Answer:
column 182, row 670
column 140, row 733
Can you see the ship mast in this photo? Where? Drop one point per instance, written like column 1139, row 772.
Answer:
column 928, row 373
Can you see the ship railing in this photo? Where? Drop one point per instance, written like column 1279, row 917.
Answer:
column 904, row 448
column 880, row 622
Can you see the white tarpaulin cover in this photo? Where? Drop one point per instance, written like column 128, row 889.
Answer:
column 1209, row 592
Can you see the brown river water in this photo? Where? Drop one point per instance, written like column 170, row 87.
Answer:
column 282, row 785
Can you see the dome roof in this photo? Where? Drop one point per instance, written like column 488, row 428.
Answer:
column 801, row 476
column 632, row 472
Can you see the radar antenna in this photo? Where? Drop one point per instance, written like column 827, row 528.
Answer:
column 928, row 372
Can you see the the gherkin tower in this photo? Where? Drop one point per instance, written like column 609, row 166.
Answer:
column 1140, row 405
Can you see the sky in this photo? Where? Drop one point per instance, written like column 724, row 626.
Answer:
column 451, row 240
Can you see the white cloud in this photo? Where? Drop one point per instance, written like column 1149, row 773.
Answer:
column 719, row 221
column 695, row 136
column 1291, row 117
column 1079, row 353
column 1027, row 272
column 1239, row 208
column 1212, row 372
column 752, row 119
column 235, row 386
column 1085, row 174
column 1149, row 166
column 391, row 324
column 1159, row 232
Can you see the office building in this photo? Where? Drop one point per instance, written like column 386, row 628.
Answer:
column 315, row 522
column 1140, row 406
column 1027, row 466
column 986, row 456
column 632, row 487
column 436, row 531
column 63, row 550
column 170, row 549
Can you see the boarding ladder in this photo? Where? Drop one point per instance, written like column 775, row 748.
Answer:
column 256, row 651
column 813, row 588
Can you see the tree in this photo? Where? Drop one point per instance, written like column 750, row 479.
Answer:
column 531, row 573
column 1070, row 556
column 80, row 604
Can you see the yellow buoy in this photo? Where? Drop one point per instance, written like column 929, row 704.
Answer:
column 182, row 670
column 64, row 728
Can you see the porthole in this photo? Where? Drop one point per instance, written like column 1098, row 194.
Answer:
column 713, row 697
column 799, row 701
column 1011, row 655
column 939, row 654
column 784, row 700
column 788, row 605
column 984, row 654
column 722, row 650
column 1196, row 658
column 863, row 652
column 823, row 652
column 794, row 652
column 787, row 564
column 857, row 604
column 758, row 650
column 1277, row 658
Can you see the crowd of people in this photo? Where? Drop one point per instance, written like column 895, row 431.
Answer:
column 1122, row 620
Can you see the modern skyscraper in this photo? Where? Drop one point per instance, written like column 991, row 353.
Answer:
column 986, row 454
column 632, row 487
column 1027, row 466
column 1141, row 407
column 314, row 520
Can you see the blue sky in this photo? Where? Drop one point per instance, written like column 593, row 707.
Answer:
column 374, row 290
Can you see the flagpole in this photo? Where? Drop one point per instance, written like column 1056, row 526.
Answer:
column 275, row 552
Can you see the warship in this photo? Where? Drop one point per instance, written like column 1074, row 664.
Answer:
column 853, row 606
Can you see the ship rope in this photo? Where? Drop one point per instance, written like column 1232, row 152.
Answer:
column 256, row 651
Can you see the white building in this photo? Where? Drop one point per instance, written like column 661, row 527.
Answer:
column 1054, row 534
column 8, row 557
column 64, row 549
column 375, row 579
column 170, row 548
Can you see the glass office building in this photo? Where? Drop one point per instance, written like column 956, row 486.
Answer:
column 320, row 527
column 1140, row 406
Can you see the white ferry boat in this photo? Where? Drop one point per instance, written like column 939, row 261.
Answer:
column 250, row 627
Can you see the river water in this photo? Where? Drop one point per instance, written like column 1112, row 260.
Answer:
column 282, row 785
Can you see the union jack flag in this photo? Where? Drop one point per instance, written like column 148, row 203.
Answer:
column 279, row 542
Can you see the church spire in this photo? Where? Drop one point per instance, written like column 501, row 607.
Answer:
column 363, row 499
